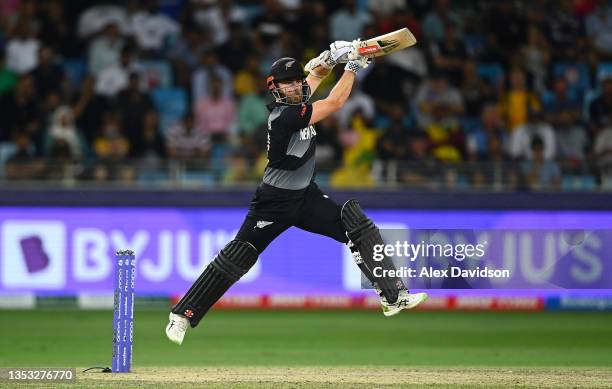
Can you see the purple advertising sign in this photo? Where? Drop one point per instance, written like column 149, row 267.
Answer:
column 71, row 250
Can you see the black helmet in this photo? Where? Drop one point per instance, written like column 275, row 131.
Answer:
column 287, row 69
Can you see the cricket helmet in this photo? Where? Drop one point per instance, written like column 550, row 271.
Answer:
column 287, row 69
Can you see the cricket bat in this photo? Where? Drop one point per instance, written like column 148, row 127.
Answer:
column 386, row 44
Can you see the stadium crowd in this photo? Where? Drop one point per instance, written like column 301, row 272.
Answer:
column 502, row 94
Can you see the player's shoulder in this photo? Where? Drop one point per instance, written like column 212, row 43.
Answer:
column 288, row 113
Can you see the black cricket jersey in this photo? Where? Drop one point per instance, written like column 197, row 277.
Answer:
column 291, row 161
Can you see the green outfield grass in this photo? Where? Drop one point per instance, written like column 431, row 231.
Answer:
column 315, row 338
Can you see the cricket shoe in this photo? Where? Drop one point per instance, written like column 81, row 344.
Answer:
column 405, row 300
column 176, row 328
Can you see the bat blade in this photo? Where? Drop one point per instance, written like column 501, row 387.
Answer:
column 387, row 44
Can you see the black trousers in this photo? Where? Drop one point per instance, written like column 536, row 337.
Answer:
column 271, row 214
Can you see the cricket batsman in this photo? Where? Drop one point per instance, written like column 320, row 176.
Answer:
column 288, row 195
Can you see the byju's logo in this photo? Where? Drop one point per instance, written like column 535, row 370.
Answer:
column 33, row 254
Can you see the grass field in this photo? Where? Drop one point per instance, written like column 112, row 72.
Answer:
column 325, row 348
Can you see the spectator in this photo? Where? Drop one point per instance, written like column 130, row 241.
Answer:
column 23, row 165
column 151, row 28
column 110, row 144
column 420, row 169
column 538, row 172
column 48, row 75
column 239, row 169
column 22, row 49
column 603, row 157
column 215, row 114
column 151, row 150
column 55, row 30
column 436, row 19
column 63, row 131
column 520, row 140
column 8, row 78
column 393, row 144
column 506, row 28
column 566, row 32
column 105, row 51
column 252, row 111
column 599, row 29
column 535, row 56
column 89, row 109
column 21, row 112
column 449, row 55
column 329, row 150
column 134, row 106
column 600, row 110
column 248, row 78
column 436, row 97
column 97, row 17
column 518, row 101
column 185, row 141
column 491, row 126
column 357, row 101
column 560, row 100
column 475, row 90
column 201, row 77
column 237, row 50
column 572, row 140
column 348, row 22
column 115, row 78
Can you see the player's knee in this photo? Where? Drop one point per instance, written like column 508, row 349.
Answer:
column 355, row 221
column 235, row 259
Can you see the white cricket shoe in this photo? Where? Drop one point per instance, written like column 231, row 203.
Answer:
column 176, row 328
column 405, row 300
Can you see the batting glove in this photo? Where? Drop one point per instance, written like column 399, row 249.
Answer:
column 357, row 64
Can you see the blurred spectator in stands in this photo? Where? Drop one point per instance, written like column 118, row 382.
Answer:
column 115, row 78
column 23, row 165
column 393, row 144
column 599, row 29
column 449, row 55
column 105, row 50
column 48, row 75
column 111, row 149
column 566, row 32
column 436, row 20
column 185, row 141
column 236, row 51
column 248, row 78
column 419, row 169
column 520, row 140
column 603, row 156
column 534, row 55
column 476, row 91
column 348, row 22
column 436, row 97
column 215, row 113
column 21, row 112
column 506, row 27
column 572, row 140
column 252, row 111
column 8, row 78
column 54, row 29
column 600, row 110
column 63, row 130
column 518, row 101
column 89, row 109
column 152, row 29
column 357, row 101
column 151, row 150
column 538, row 172
column 239, row 169
column 215, row 17
column 385, row 9
column 22, row 48
column 133, row 104
column 59, row 161
column 491, row 126
column 359, row 149
column 210, row 67
column 267, row 29
column 311, row 17
column 99, row 15
column 329, row 150
column 561, row 100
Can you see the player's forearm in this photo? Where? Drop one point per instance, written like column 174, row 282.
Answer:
column 313, row 82
column 341, row 91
